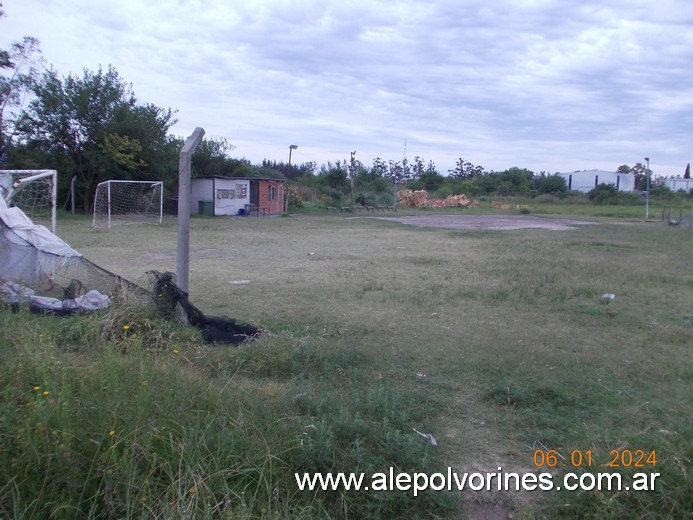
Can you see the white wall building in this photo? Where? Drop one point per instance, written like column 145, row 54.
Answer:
column 226, row 196
column 680, row 184
column 586, row 180
column 236, row 196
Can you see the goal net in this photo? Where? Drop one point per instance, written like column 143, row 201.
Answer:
column 41, row 271
column 33, row 191
column 128, row 202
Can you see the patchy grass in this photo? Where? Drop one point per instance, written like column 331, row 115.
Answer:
column 518, row 348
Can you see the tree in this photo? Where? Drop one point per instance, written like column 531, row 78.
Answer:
column 640, row 172
column 210, row 158
column 431, row 180
column 379, row 167
column 335, row 175
column 465, row 170
column 148, row 126
column 396, row 172
column 551, row 184
column 19, row 70
column 90, row 127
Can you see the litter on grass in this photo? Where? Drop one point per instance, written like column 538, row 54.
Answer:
column 427, row 436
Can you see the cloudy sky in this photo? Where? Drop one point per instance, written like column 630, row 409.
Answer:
column 548, row 85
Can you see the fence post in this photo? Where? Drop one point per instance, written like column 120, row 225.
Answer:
column 183, row 244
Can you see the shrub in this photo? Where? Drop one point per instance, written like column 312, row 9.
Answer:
column 604, row 194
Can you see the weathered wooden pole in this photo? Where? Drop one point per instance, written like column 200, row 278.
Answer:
column 183, row 245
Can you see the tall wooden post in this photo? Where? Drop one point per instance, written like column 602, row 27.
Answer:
column 183, row 244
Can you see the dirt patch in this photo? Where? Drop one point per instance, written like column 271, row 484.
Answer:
column 489, row 222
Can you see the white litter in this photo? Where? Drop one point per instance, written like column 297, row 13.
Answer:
column 239, row 282
column 427, row 436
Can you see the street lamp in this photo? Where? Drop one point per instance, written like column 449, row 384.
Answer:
column 292, row 147
column 647, row 196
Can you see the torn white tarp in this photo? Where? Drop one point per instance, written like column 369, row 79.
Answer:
column 11, row 292
column 90, row 302
column 22, row 230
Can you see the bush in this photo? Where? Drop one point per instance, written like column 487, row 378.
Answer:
column 604, row 194
column 630, row 199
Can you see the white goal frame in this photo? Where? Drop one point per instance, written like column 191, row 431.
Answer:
column 13, row 182
column 109, row 200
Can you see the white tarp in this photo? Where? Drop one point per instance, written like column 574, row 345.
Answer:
column 29, row 253
column 20, row 226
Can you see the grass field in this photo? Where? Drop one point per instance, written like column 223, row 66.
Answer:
column 519, row 350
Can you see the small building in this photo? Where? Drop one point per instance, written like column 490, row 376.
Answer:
column 236, row 196
column 586, row 180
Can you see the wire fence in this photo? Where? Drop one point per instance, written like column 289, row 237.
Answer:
column 677, row 219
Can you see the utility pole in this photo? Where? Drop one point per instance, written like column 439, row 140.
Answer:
column 352, row 172
column 292, row 147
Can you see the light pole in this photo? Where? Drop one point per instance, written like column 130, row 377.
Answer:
column 352, row 172
column 647, row 196
column 292, row 147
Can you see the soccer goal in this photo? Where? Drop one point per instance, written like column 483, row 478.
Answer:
column 128, row 202
column 32, row 191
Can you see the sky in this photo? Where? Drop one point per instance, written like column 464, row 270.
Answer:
column 547, row 85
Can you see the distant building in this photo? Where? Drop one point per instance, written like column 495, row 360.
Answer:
column 236, row 196
column 680, row 184
column 586, row 180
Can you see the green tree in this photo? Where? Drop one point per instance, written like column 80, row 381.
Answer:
column 551, row 184
column 69, row 121
column 148, row 126
column 465, row 170
column 336, row 175
column 20, row 67
column 91, row 127
column 211, row 158
column 430, row 180
column 515, row 180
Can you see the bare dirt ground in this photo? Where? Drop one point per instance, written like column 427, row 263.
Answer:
column 489, row 222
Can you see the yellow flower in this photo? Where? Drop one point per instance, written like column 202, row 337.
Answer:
column 45, row 392
column 37, row 388
column 111, row 433
column 126, row 327
column 175, row 351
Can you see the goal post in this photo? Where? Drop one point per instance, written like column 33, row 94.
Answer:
column 128, row 202
column 35, row 192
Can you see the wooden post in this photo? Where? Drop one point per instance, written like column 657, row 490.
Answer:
column 183, row 244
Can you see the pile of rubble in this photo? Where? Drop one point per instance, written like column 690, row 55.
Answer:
column 420, row 199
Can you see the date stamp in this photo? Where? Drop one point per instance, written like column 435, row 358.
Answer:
column 621, row 458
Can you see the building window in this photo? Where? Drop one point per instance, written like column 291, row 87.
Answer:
column 226, row 194
column 271, row 192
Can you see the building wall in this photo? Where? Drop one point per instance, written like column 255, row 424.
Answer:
column 231, row 196
column 200, row 189
column 585, row 181
column 680, row 184
column 270, row 197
